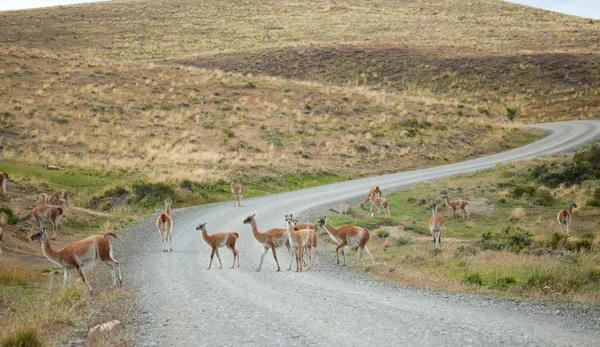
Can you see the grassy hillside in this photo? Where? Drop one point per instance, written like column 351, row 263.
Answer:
column 145, row 100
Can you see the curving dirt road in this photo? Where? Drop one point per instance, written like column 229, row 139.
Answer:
column 181, row 303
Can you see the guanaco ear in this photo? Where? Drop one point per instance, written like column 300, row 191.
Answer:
column 253, row 215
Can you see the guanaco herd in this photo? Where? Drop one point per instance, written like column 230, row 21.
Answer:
column 300, row 239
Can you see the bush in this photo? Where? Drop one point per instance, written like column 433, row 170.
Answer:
column 510, row 238
column 465, row 251
column 585, row 166
column 403, row 240
column 417, row 229
column 511, row 113
column 595, row 198
column 23, row 338
column 517, row 191
column 473, row 278
column 383, row 233
column 277, row 141
column 11, row 217
column 152, row 194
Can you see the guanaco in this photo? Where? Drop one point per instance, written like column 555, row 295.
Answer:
column 3, row 180
column 457, row 204
column 59, row 195
column 378, row 203
column 220, row 240
column 238, row 193
column 271, row 239
column 375, row 192
column 1, row 150
column 314, row 238
column 44, row 212
column 52, row 167
column 42, row 198
column 299, row 241
column 564, row 218
column 348, row 235
column 436, row 225
column 81, row 254
column 164, row 223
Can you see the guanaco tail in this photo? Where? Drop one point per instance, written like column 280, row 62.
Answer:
column 81, row 254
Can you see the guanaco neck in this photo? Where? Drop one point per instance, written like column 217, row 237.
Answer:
column 260, row 237
column 448, row 202
column 330, row 228
column 570, row 210
column 205, row 236
column 168, row 210
column 436, row 221
column 48, row 251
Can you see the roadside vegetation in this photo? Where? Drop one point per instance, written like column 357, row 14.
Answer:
column 511, row 245
column 142, row 101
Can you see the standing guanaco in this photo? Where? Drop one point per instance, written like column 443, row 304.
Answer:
column 457, row 204
column 52, row 167
column 59, row 195
column 220, row 240
column 238, row 193
column 299, row 241
column 564, row 218
column 43, row 212
column 348, row 235
column 436, row 225
column 81, row 254
column 378, row 203
column 164, row 223
column 271, row 239
column 3, row 180
column 314, row 237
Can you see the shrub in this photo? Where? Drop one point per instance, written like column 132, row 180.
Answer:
column 11, row 217
column 383, row 233
column 584, row 166
column 595, row 198
column 417, row 229
column 24, row 337
column 465, row 251
column 403, row 240
column 519, row 191
column 511, row 113
column 277, row 141
column 473, row 278
column 510, row 238
column 152, row 194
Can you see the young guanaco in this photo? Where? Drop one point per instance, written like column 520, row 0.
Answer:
column 220, row 240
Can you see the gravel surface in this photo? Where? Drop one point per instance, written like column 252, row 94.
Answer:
column 182, row 303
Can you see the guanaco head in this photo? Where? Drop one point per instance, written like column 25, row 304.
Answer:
column 289, row 217
column 232, row 182
column 322, row 221
column 40, row 235
column 201, row 227
column 433, row 205
column 249, row 219
column 572, row 204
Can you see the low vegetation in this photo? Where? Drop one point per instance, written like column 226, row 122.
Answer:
column 510, row 246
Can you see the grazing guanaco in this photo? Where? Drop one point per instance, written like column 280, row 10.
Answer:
column 299, row 241
column 436, row 225
column 164, row 223
column 378, row 203
column 564, row 218
column 44, row 212
column 348, row 235
column 271, row 239
column 3, row 180
column 457, row 204
column 59, row 195
column 220, row 240
column 52, row 167
column 314, row 237
column 42, row 198
column 238, row 193
column 81, row 254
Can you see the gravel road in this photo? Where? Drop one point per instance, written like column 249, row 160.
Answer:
column 182, row 303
